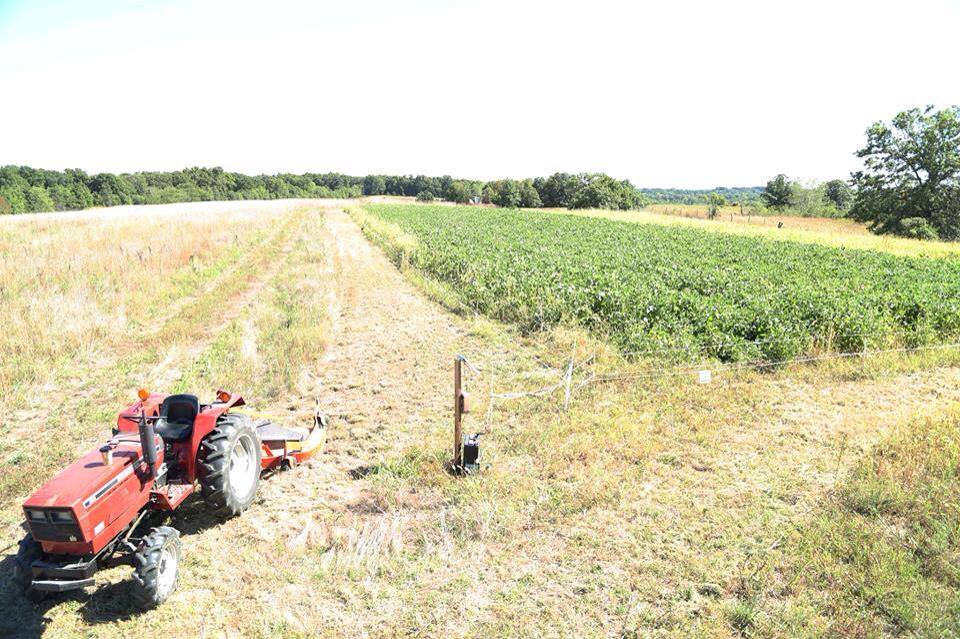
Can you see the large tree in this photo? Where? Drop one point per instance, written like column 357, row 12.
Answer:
column 461, row 191
column 839, row 193
column 777, row 193
column 910, row 183
column 529, row 197
column 504, row 193
column 557, row 190
column 374, row 185
column 600, row 191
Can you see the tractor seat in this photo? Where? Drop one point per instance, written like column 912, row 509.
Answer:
column 177, row 414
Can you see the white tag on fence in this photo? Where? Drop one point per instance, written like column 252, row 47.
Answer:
column 705, row 377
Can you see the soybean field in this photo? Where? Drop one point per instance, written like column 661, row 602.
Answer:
column 675, row 292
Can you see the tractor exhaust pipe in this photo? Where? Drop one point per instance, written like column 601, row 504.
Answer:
column 147, row 443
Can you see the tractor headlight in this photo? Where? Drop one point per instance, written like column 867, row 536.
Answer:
column 61, row 516
column 35, row 515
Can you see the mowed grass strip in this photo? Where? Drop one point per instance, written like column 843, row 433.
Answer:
column 264, row 350
column 690, row 292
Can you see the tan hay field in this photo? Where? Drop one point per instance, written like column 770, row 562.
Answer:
column 661, row 509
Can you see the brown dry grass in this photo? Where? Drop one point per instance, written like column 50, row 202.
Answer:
column 74, row 285
column 817, row 230
column 738, row 215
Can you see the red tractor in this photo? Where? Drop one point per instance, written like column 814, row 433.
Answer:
column 164, row 447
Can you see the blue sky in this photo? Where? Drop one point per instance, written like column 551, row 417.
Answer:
column 686, row 93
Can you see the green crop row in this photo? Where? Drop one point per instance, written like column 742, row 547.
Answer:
column 683, row 290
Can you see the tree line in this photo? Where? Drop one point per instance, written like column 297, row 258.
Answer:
column 738, row 194
column 24, row 189
column 827, row 199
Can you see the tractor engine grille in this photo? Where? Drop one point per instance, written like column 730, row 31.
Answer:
column 54, row 530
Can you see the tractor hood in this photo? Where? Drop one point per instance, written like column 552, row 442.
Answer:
column 88, row 479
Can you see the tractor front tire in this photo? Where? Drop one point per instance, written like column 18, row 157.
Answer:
column 156, row 567
column 228, row 465
column 28, row 552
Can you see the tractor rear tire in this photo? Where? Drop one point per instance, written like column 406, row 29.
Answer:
column 28, row 551
column 228, row 465
column 156, row 567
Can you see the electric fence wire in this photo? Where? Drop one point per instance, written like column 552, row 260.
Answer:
column 764, row 364
column 565, row 380
column 689, row 348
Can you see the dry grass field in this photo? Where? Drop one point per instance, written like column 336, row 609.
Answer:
column 819, row 230
column 812, row 500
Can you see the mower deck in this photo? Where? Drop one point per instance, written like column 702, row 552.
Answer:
column 290, row 446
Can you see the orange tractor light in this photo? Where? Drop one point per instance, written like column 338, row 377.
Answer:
column 143, row 394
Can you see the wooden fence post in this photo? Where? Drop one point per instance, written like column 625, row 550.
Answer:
column 457, row 414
